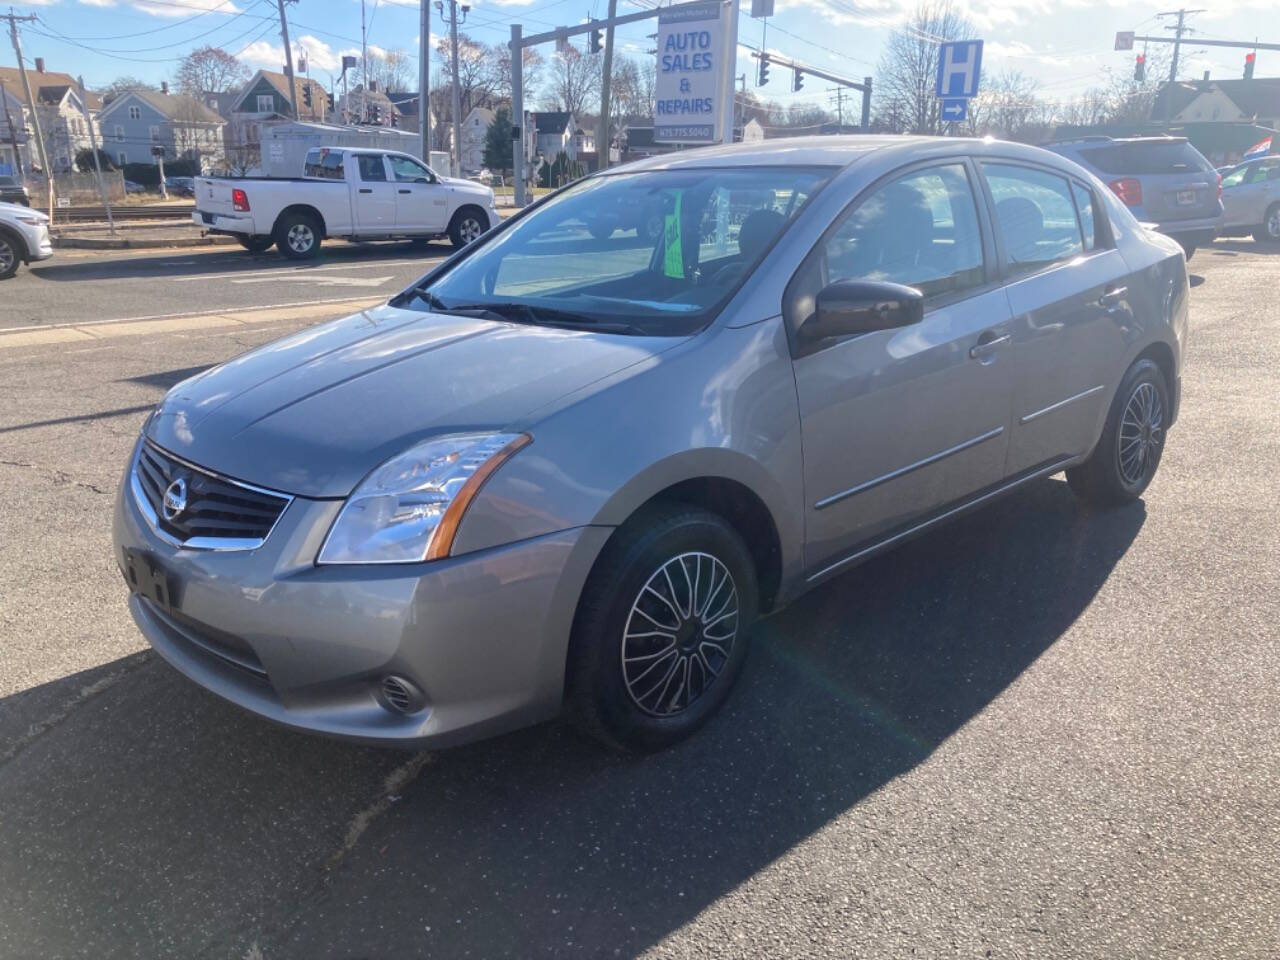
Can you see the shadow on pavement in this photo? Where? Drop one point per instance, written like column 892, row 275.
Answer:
column 156, row 815
column 189, row 263
column 164, row 379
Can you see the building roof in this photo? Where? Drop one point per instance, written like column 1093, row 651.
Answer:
column 171, row 106
column 12, row 81
column 1255, row 98
column 405, row 102
column 552, row 122
column 319, row 96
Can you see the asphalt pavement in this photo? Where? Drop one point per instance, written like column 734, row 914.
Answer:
column 1039, row 732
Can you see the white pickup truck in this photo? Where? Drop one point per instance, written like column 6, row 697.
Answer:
column 358, row 194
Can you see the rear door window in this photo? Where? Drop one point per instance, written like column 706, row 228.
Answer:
column 372, row 168
column 1088, row 218
column 1147, row 157
column 1036, row 216
column 325, row 164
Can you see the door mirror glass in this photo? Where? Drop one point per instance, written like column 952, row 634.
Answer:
column 849, row 307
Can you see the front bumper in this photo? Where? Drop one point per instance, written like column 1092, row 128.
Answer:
column 484, row 635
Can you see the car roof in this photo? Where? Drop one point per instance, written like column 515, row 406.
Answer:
column 839, row 151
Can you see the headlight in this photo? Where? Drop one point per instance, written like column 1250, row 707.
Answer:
column 34, row 220
column 408, row 509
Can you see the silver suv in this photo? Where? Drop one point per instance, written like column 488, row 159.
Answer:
column 1164, row 181
column 568, row 468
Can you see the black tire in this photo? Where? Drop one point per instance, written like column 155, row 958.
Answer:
column 1110, row 477
column 256, row 244
column 11, row 254
column 1269, row 232
column 463, row 226
column 619, row 710
column 292, row 233
column 1188, row 248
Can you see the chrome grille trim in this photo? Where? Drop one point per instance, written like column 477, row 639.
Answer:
column 143, row 472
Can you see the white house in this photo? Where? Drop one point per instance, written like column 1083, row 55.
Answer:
column 475, row 129
column 62, row 117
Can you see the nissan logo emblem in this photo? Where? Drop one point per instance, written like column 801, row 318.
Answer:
column 175, row 499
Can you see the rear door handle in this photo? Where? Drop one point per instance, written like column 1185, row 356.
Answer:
column 988, row 344
column 366, row 190
column 406, row 191
column 1112, row 296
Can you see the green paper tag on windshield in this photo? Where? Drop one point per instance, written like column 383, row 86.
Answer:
column 673, row 262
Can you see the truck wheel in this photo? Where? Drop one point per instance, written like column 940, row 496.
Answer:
column 467, row 225
column 1269, row 232
column 256, row 244
column 298, row 236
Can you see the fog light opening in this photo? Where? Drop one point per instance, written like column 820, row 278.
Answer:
column 400, row 695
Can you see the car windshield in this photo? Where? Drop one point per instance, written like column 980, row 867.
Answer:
column 651, row 253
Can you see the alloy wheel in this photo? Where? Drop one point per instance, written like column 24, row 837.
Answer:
column 680, row 633
column 1140, row 435
column 1273, row 224
column 8, row 256
column 301, row 238
column 469, row 229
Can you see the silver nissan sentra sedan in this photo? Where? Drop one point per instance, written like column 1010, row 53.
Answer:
column 567, row 469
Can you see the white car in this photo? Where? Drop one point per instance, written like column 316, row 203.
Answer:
column 1251, row 196
column 24, row 236
column 358, row 194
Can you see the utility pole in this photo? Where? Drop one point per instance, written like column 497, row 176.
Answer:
column 730, row 67
column 97, row 165
column 839, row 92
column 457, row 82
column 13, row 131
column 517, row 116
column 424, row 78
column 1178, row 31
column 364, row 66
column 603, row 132
column 288, row 61
column 866, row 104
column 31, row 103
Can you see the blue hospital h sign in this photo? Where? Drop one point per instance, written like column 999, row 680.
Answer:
column 959, row 66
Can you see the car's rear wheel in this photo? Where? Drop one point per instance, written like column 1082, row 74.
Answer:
column 1269, row 232
column 1127, row 456
column 467, row 226
column 298, row 236
column 9, row 256
column 1188, row 248
column 256, row 244
column 661, row 631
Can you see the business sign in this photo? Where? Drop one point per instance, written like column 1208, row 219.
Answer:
column 1124, row 40
column 959, row 67
column 691, row 72
column 761, row 8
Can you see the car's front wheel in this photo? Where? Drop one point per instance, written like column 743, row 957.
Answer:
column 467, row 225
column 661, row 631
column 9, row 256
column 1269, row 232
column 1126, row 458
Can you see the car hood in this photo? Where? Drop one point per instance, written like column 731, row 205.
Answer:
column 313, row 413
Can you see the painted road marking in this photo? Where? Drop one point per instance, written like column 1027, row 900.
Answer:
column 295, row 271
column 172, row 323
column 323, row 281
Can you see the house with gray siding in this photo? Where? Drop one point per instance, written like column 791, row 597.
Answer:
column 135, row 122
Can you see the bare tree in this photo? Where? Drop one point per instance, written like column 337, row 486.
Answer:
column 1006, row 107
column 475, row 73
column 124, row 84
column 574, row 83
column 393, row 72
column 906, row 84
column 210, row 70
column 531, row 69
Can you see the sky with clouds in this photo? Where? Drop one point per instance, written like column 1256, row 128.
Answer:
column 1066, row 45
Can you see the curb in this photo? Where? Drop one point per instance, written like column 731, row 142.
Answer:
column 132, row 243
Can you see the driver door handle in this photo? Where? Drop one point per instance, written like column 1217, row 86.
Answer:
column 1112, row 296
column 406, row 191
column 988, row 344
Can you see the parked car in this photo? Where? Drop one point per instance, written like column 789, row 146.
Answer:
column 365, row 194
column 13, row 190
column 1164, row 181
column 180, row 186
column 1251, row 196
column 561, row 473
column 24, row 236
column 131, row 187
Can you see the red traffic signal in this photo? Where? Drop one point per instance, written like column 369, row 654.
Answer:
column 1248, row 65
column 1140, row 68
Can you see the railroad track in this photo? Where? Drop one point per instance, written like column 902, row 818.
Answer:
column 130, row 212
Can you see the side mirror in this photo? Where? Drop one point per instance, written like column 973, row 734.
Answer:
column 849, row 307
column 422, row 180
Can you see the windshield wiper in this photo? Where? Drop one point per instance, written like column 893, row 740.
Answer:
column 478, row 311
column 552, row 317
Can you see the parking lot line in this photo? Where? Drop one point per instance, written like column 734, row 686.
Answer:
column 170, row 323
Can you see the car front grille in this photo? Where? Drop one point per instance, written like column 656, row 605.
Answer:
column 218, row 514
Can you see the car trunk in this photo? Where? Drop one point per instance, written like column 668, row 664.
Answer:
column 1177, row 182
column 214, row 196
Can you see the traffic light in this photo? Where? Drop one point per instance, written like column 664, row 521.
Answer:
column 1248, row 64
column 763, row 77
column 330, row 103
column 1140, row 68
column 797, row 82
column 395, row 119
column 306, row 95
column 375, row 114
column 596, row 45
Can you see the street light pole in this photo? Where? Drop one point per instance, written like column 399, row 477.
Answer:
column 424, row 78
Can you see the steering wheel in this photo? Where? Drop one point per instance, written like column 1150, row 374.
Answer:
column 726, row 275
